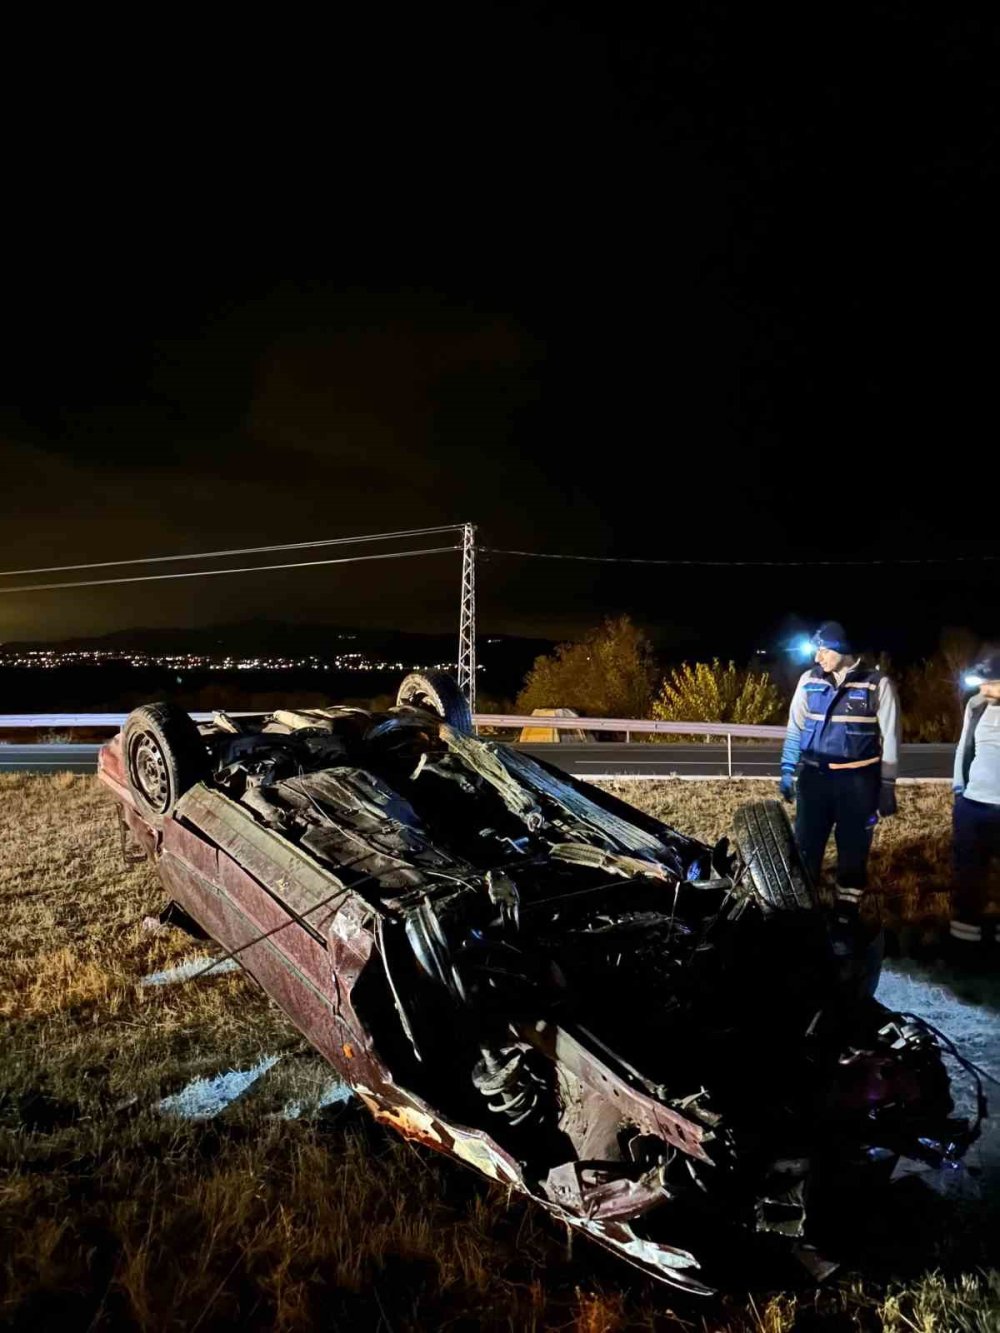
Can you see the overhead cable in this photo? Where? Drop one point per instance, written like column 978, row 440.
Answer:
column 731, row 564
column 209, row 573
column 243, row 550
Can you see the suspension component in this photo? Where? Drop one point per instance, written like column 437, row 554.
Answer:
column 510, row 1085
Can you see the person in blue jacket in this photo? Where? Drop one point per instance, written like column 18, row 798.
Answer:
column 843, row 738
column 976, row 816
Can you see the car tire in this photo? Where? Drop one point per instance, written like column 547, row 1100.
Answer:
column 437, row 692
column 164, row 757
column 773, row 869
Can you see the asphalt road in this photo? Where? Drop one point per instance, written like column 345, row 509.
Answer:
column 637, row 760
column 763, row 761
column 48, row 758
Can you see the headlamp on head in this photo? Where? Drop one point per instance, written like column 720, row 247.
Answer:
column 985, row 670
column 831, row 636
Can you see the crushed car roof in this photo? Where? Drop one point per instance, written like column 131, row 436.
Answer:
column 651, row 1037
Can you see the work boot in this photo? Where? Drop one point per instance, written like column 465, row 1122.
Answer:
column 845, row 920
column 967, row 945
column 857, row 946
column 847, row 902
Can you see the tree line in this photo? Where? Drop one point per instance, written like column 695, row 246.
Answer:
column 613, row 671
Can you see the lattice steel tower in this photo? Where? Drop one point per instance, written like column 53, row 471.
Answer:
column 467, row 618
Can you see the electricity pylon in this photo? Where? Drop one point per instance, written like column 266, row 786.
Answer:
column 467, row 618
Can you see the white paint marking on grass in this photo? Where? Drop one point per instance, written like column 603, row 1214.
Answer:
column 334, row 1093
column 205, row 1098
column 191, row 968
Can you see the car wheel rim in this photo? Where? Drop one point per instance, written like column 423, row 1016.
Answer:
column 149, row 772
column 427, row 702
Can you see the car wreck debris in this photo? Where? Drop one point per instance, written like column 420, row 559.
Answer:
column 652, row 1038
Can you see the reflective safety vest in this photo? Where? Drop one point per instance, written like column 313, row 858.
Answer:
column 841, row 725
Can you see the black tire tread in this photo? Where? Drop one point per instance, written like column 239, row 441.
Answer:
column 442, row 696
column 775, row 872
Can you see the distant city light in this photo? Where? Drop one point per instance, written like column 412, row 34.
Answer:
column 49, row 659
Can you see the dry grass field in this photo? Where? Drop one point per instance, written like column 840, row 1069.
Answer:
column 117, row 1215
column 909, row 870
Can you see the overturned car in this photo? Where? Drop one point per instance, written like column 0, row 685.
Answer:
column 654, row 1039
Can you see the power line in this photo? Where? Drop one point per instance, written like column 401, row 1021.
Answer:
column 244, row 550
column 731, row 564
column 208, row 573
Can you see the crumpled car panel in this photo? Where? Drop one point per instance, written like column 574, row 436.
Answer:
column 524, row 973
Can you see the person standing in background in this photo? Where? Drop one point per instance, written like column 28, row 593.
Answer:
column 843, row 738
column 976, row 814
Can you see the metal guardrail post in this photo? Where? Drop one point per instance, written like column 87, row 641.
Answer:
column 729, row 752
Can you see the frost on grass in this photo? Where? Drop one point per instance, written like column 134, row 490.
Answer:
column 333, row 1093
column 204, row 1098
column 192, row 967
column 967, row 1011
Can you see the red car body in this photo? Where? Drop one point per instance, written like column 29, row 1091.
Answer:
column 444, row 992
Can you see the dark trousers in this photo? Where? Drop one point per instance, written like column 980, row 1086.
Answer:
column 975, row 842
column 844, row 801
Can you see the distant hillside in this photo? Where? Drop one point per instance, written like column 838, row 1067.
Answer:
column 505, row 659
column 249, row 636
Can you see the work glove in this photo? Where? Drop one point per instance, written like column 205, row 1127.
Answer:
column 887, row 800
column 787, row 784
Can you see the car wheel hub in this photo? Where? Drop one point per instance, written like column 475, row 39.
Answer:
column 150, row 771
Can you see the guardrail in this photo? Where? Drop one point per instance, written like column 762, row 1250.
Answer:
column 514, row 721
column 41, row 721
column 741, row 730
column 628, row 725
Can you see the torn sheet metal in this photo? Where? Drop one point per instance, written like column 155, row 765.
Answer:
column 531, row 977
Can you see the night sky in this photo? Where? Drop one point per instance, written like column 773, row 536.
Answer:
column 722, row 288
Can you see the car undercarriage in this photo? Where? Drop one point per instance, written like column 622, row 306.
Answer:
column 656, row 1039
